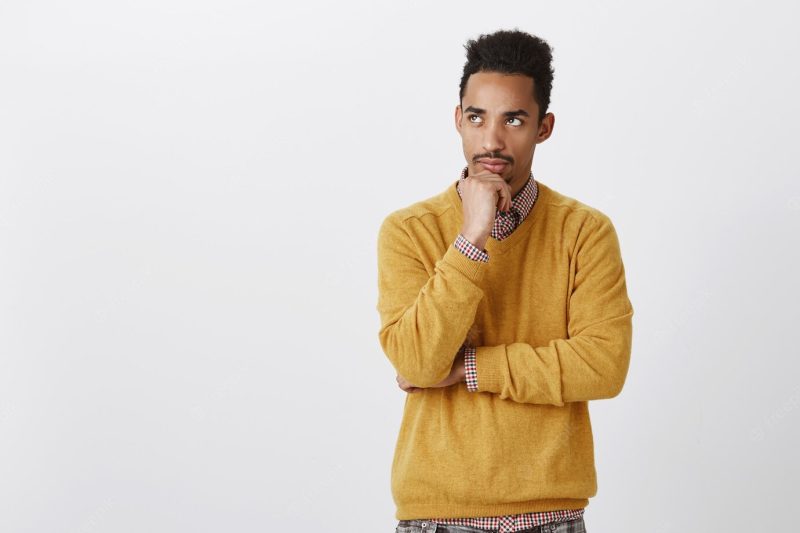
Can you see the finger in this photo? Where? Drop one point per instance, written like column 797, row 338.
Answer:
column 483, row 174
column 505, row 194
column 500, row 202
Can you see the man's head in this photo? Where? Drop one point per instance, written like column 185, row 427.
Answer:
column 504, row 96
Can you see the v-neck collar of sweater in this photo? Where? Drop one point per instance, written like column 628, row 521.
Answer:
column 493, row 246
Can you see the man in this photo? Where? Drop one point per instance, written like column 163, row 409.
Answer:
column 504, row 310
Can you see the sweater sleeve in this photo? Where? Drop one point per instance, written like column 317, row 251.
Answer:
column 592, row 363
column 424, row 317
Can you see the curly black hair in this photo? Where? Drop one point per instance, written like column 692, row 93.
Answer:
column 512, row 52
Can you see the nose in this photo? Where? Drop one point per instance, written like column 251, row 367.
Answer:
column 493, row 138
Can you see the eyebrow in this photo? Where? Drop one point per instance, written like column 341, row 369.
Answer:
column 479, row 111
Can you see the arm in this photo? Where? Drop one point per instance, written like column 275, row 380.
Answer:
column 424, row 318
column 590, row 364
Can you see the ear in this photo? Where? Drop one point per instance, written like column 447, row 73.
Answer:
column 546, row 127
column 458, row 118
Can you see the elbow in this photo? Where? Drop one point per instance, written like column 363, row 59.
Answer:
column 615, row 387
column 615, row 378
column 606, row 388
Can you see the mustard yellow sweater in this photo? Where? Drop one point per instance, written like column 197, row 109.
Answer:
column 552, row 323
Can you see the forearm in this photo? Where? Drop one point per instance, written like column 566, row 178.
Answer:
column 582, row 368
column 424, row 319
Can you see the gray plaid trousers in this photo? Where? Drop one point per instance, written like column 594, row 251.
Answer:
column 423, row 526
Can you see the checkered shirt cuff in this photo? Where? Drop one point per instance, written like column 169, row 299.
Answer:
column 470, row 250
column 471, row 369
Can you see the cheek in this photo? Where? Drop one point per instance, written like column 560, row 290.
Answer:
column 471, row 140
column 524, row 147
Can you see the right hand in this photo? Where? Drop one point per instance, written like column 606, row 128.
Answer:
column 482, row 194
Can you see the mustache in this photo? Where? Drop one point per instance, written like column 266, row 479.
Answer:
column 493, row 155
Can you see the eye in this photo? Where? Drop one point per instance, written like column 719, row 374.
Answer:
column 470, row 117
column 518, row 120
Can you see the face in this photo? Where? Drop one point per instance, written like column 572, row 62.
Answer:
column 497, row 121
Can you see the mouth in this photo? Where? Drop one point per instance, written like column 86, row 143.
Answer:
column 494, row 165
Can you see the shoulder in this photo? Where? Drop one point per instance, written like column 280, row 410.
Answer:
column 588, row 230
column 559, row 205
column 428, row 211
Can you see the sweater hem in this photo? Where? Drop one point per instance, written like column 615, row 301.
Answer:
column 426, row 511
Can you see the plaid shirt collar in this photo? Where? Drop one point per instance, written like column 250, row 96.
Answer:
column 521, row 205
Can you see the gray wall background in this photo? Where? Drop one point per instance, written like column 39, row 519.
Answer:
column 190, row 194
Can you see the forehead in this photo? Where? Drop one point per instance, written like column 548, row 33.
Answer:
column 494, row 89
